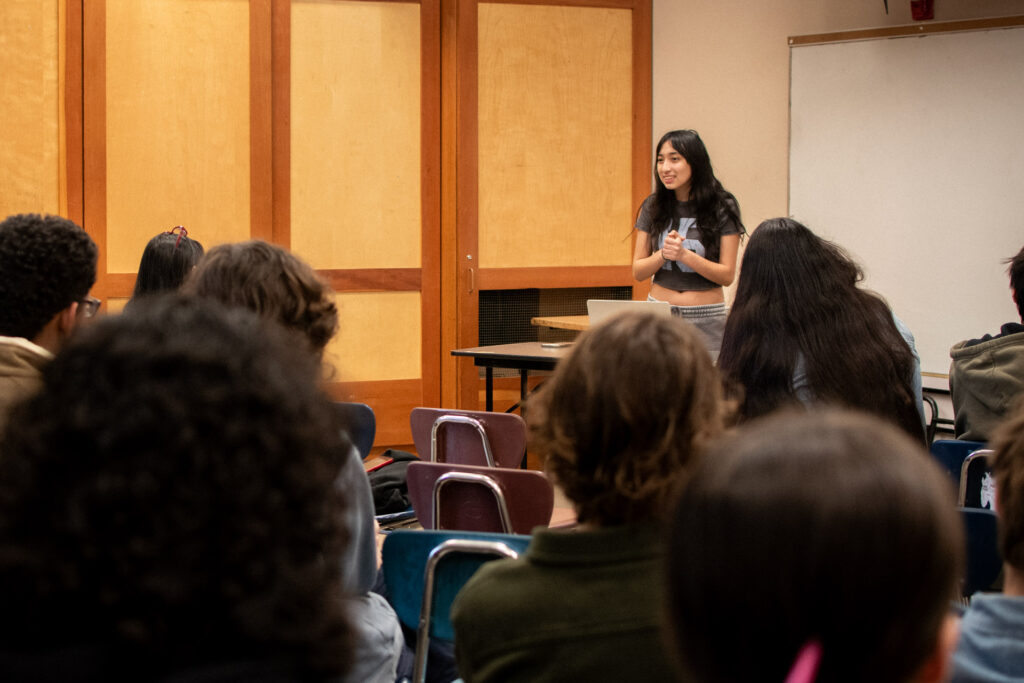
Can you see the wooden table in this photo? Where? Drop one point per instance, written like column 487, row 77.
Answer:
column 524, row 356
column 562, row 322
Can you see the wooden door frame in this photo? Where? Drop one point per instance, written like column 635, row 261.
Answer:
column 460, row 199
column 270, row 171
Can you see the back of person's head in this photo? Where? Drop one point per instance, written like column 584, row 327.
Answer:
column 625, row 415
column 829, row 527
column 1008, row 444
column 47, row 263
column 1016, row 271
column 166, row 261
column 271, row 281
column 798, row 305
column 169, row 497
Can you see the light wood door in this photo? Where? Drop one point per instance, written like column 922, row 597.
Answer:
column 549, row 104
column 313, row 124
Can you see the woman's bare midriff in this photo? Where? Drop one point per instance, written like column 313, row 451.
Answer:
column 689, row 298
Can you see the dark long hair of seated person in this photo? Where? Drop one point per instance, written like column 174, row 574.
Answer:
column 168, row 507
column 798, row 312
column 166, row 261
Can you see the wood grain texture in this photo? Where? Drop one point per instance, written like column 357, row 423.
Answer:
column 177, row 123
column 355, row 134
column 581, row 276
column 555, row 135
column 379, row 337
column 392, row 401
column 29, row 107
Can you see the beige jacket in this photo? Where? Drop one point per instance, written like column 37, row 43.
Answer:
column 21, row 367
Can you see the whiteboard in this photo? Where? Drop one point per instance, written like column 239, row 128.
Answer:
column 909, row 153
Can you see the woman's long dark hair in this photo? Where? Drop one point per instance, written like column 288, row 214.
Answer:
column 798, row 298
column 166, row 262
column 714, row 206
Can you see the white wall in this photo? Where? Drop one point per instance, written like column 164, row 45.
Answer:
column 722, row 68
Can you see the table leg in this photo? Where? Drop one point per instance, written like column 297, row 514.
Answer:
column 489, row 388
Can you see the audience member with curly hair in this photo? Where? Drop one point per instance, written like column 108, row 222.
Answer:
column 169, row 508
column 815, row 546
column 273, row 282
column 47, row 267
column 619, row 425
column 280, row 287
column 166, row 261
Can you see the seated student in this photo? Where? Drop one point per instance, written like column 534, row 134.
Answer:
column 166, row 261
column 991, row 647
column 168, row 508
column 822, row 544
column 619, row 425
column 280, row 287
column 802, row 332
column 47, row 267
column 987, row 374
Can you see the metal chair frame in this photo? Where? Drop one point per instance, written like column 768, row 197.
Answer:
column 460, row 419
column 982, row 453
column 472, row 478
column 437, row 555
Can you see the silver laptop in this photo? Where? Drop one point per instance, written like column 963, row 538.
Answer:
column 602, row 309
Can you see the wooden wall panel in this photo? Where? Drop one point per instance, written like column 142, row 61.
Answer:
column 379, row 337
column 355, row 134
column 29, row 109
column 177, row 123
column 555, row 135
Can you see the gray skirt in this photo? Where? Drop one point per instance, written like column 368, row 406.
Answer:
column 709, row 320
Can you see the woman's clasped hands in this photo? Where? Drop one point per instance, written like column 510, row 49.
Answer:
column 672, row 249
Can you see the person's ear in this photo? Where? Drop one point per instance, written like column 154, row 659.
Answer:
column 936, row 668
column 66, row 320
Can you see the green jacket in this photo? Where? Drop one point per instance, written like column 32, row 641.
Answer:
column 577, row 606
column 985, row 378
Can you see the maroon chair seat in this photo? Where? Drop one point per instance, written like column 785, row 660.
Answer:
column 470, row 498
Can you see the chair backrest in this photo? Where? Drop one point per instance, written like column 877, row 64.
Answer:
column 951, row 453
column 362, row 425
column 983, row 560
column 424, row 571
column 465, row 437
column 472, row 498
column 977, row 484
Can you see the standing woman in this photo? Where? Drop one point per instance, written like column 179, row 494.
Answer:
column 692, row 230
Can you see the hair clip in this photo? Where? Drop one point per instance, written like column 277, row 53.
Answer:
column 180, row 231
column 805, row 666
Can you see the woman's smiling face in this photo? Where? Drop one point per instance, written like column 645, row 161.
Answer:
column 674, row 171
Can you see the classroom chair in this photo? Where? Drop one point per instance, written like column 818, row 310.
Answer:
column 362, row 425
column 424, row 571
column 977, row 485
column 951, row 453
column 983, row 560
column 469, row 437
column 471, row 498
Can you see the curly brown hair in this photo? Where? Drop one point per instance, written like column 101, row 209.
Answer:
column 625, row 415
column 170, row 496
column 273, row 282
